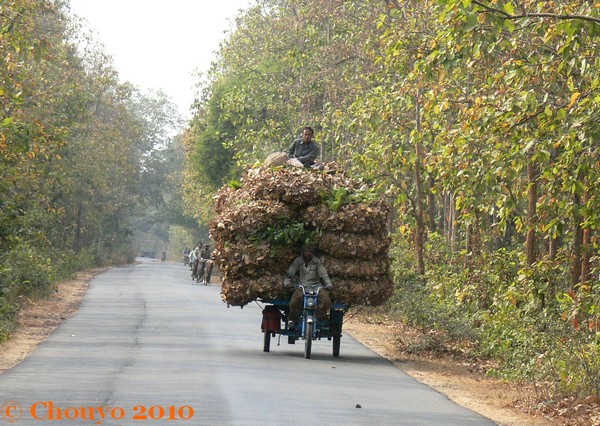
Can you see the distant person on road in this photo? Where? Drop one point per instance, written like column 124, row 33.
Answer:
column 205, row 254
column 310, row 271
column 195, row 254
column 192, row 255
column 305, row 149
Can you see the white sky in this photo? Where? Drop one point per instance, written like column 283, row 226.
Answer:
column 158, row 44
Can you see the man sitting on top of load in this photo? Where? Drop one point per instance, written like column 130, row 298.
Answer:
column 305, row 150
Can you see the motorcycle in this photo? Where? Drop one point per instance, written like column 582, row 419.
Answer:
column 206, row 271
column 186, row 260
column 310, row 328
column 163, row 256
column 195, row 268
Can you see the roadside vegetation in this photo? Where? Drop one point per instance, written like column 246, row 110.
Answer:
column 84, row 158
column 478, row 120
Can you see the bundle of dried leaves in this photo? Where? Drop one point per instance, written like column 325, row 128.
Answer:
column 262, row 223
column 358, row 218
column 241, row 291
column 246, row 258
column 351, row 267
column 371, row 291
column 359, row 246
column 248, row 218
column 229, row 196
column 288, row 184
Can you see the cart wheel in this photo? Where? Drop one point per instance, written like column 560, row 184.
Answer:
column 267, row 341
column 308, row 340
column 337, row 337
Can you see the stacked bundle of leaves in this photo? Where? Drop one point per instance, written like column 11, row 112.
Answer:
column 263, row 222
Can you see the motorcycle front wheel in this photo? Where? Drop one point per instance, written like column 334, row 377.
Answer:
column 267, row 341
column 336, row 344
column 308, row 340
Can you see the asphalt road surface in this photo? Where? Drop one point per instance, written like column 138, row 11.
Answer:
column 149, row 347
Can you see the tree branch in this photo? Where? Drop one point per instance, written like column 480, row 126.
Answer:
column 537, row 15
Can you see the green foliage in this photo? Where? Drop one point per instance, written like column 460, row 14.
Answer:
column 340, row 196
column 180, row 238
column 212, row 159
column 336, row 198
column 496, row 308
column 234, row 184
column 288, row 234
column 543, row 350
column 74, row 144
column 422, row 302
column 25, row 271
column 8, row 312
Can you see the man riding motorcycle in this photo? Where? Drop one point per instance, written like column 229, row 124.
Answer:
column 310, row 271
column 205, row 254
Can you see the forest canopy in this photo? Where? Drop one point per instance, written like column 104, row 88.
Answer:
column 86, row 160
column 479, row 120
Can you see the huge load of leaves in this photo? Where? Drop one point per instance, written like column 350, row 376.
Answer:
column 263, row 221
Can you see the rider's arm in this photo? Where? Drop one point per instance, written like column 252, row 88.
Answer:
column 292, row 270
column 324, row 276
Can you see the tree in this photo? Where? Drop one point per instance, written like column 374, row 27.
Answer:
column 479, row 119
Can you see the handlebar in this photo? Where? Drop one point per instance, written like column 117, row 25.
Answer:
column 297, row 284
column 318, row 289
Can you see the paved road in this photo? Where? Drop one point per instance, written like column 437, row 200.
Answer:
column 149, row 348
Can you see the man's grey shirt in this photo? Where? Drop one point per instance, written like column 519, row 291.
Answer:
column 305, row 153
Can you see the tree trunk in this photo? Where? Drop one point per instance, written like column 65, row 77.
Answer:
column 431, row 207
column 577, row 242
column 452, row 223
column 393, row 218
column 586, row 257
column 552, row 252
column 577, row 238
column 586, row 240
column 77, row 236
column 532, row 175
column 420, row 236
column 442, row 214
column 468, row 246
column 553, row 248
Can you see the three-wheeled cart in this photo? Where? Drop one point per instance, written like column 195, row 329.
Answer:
column 275, row 312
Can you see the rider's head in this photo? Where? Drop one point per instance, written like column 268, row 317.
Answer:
column 206, row 246
column 307, row 252
column 307, row 134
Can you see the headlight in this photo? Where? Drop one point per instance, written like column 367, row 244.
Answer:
column 310, row 302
